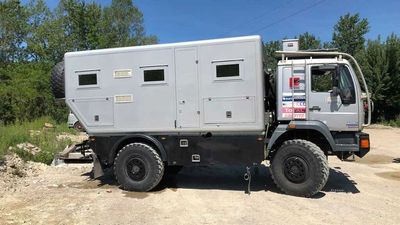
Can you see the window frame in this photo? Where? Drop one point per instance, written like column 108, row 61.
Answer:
column 155, row 67
column 216, row 63
column 88, row 72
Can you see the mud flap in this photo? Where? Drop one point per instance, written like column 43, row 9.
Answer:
column 361, row 153
column 97, row 168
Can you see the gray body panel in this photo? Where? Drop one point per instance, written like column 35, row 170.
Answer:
column 190, row 98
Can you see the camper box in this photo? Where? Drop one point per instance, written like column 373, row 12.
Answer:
column 201, row 86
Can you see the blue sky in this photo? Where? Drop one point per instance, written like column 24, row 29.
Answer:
column 185, row 20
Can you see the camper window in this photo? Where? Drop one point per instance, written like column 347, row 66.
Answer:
column 228, row 69
column 152, row 75
column 87, row 79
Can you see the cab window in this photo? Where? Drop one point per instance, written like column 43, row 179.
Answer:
column 346, row 85
column 321, row 79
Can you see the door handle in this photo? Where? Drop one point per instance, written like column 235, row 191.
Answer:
column 315, row 107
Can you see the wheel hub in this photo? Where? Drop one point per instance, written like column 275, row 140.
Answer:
column 295, row 169
column 136, row 169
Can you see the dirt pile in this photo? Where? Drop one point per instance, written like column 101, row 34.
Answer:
column 28, row 147
column 13, row 170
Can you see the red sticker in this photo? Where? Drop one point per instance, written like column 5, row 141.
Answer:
column 294, row 82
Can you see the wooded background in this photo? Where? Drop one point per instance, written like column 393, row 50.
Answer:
column 34, row 38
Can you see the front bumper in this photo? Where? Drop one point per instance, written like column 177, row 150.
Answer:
column 349, row 143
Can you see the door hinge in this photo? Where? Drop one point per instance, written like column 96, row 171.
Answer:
column 175, row 123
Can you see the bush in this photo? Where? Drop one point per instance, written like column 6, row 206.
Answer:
column 34, row 133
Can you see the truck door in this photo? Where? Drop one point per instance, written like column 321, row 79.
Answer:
column 187, row 88
column 336, row 107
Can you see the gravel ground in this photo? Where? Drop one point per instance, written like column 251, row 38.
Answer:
column 365, row 191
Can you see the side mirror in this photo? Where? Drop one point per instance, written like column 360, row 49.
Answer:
column 335, row 91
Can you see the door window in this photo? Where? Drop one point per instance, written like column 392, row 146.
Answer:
column 346, row 85
column 321, row 79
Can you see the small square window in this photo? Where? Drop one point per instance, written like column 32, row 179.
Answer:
column 87, row 79
column 228, row 70
column 154, row 75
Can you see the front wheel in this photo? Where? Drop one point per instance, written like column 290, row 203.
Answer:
column 138, row 167
column 300, row 168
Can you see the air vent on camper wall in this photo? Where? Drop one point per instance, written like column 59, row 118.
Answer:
column 123, row 98
column 122, row 73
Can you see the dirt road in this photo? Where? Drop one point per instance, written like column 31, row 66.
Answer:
column 363, row 192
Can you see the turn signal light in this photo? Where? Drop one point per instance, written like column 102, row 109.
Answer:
column 364, row 143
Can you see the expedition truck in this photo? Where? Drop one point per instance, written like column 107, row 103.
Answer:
column 153, row 108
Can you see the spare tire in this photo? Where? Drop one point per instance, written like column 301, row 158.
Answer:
column 57, row 80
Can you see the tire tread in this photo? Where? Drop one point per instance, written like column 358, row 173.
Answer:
column 160, row 165
column 319, row 154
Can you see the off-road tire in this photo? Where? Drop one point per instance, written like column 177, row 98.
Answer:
column 58, row 80
column 300, row 151
column 146, row 157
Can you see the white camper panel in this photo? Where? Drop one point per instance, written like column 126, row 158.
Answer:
column 201, row 86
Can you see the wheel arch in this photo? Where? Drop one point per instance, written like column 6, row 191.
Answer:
column 314, row 131
column 142, row 138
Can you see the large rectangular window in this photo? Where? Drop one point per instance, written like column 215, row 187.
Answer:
column 153, row 75
column 87, row 79
column 228, row 70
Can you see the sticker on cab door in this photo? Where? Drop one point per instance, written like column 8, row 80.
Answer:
column 352, row 124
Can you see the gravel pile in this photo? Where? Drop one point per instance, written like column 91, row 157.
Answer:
column 13, row 170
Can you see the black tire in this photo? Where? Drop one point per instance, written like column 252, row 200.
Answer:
column 138, row 167
column 57, row 80
column 299, row 168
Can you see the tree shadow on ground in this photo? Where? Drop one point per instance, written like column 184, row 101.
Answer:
column 232, row 178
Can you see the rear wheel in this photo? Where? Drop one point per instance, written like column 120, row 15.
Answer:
column 300, row 168
column 138, row 167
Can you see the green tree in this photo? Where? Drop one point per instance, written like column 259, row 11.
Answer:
column 375, row 69
column 13, row 29
column 392, row 48
column 309, row 41
column 270, row 60
column 122, row 25
column 349, row 32
column 33, row 38
column 38, row 36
